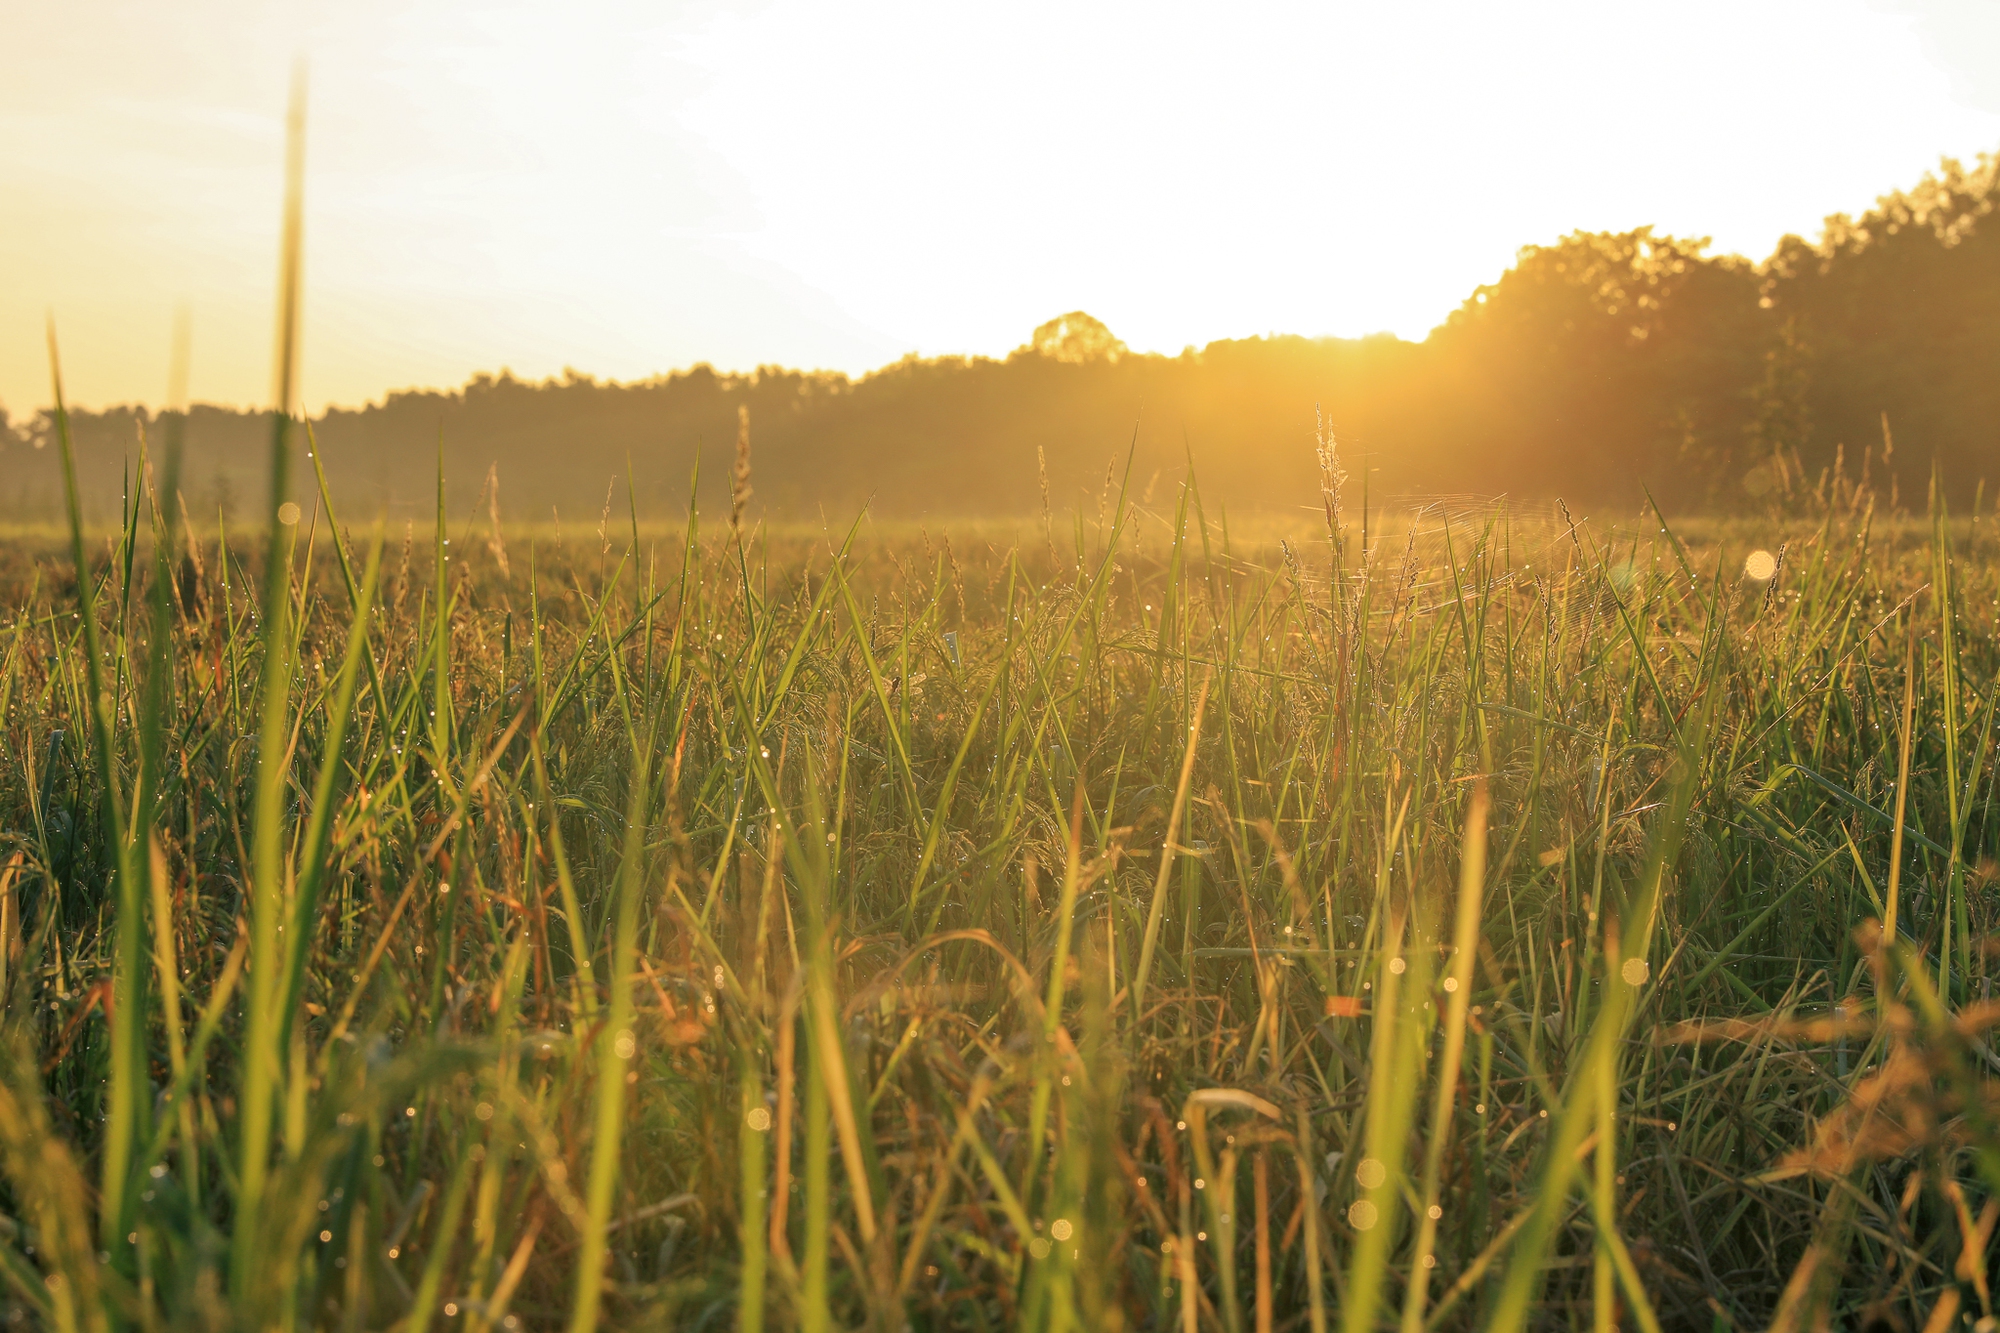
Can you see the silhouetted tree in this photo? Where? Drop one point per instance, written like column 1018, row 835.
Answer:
column 1075, row 337
column 1601, row 359
column 1898, row 312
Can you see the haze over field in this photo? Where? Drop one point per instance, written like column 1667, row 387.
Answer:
column 1601, row 369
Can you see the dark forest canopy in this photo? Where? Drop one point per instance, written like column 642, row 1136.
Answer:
column 1594, row 366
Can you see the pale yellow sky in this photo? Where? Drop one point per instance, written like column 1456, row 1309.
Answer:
column 629, row 188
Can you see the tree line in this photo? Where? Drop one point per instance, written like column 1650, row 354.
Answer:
column 1595, row 366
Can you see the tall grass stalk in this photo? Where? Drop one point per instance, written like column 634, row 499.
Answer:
column 270, row 871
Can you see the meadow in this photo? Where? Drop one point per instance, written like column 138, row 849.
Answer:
column 1466, row 916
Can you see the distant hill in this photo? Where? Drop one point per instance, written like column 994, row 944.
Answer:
column 1595, row 365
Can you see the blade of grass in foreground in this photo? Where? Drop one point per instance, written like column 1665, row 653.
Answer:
column 616, row 1044
column 1396, row 1058
column 260, row 1052
column 124, row 1109
column 1465, row 940
column 753, row 1122
column 1395, row 1061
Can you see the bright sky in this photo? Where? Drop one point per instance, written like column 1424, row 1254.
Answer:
column 632, row 187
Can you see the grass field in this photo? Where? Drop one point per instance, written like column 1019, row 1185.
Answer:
column 1476, row 920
